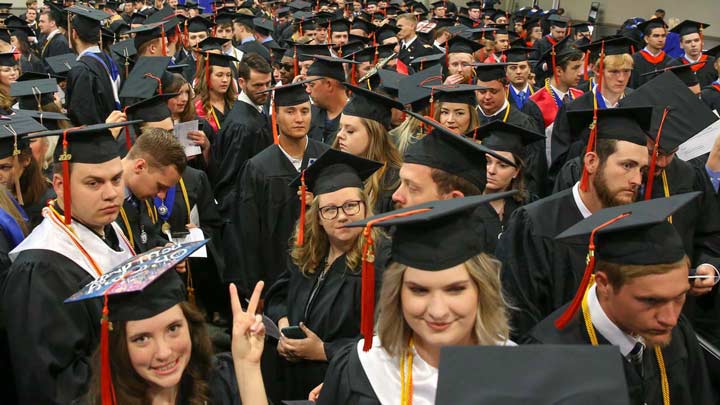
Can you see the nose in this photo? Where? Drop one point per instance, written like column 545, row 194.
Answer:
column 668, row 314
column 398, row 196
column 163, row 351
column 109, row 192
column 437, row 308
column 491, row 168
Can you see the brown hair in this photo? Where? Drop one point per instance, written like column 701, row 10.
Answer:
column 474, row 117
column 255, row 62
column 491, row 322
column 160, row 149
column 177, row 83
column 407, row 17
column 130, row 388
column 32, row 182
column 144, row 47
column 316, row 246
column 202, row 92
column 620, row 274
column 380, row 149
column 447, row 183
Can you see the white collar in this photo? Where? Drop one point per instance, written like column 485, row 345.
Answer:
column 579, row 202
column 687, row 57
column 607, row 328
column 243, row 97
column 504, row 106
column 407, row 43
column 52, row 34
column 560, row 94
column 295, row 162
column 92, row 49
column 523, row 90
column 646, row 49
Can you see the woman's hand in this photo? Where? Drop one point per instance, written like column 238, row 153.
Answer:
column 315, row 393
column 309, row 348
column 114, row 117
column 457, row 78
column 200, row 139
column 248, row 331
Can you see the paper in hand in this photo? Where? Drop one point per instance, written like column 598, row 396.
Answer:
column 181, row 133
column 699, row 144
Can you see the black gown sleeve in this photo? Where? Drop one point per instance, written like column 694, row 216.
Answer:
column 223, row 383
column 276, row 306
column 346, row 381
column 81, row 95
column 533, row 111
column 568, row 175
column 560, row 143
column 50, row 343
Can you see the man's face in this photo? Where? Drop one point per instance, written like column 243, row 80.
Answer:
column 493, row 98
column 318, row 91
column 474, row 13
column 518, row 25
column 502, row 42
column 294, row 121
column 224, row 31
column 656, row 38
column 582, row 34
column 321, row 35
column 173, row 3
column 519, row 73
column 536, row 33
column 339, row 38
column 407, row 29
column 663, row 159
column 149, row 182
column 440, row 11
column 416, row 186
column 616, row 79
column 31, row 15
column 159, row 4
column 647, row 306
column 96, row 190
column 618, row 179
column 371, row 8
column 195, row 38
column 363, row 68
column 45, row 25
column 287, row 70
column 692, row 45
column 257, row 83
column 304, row 66
column 460, row 63
column 557, row 33
column 571, row 75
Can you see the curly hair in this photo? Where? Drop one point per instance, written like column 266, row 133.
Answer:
column 131, row 388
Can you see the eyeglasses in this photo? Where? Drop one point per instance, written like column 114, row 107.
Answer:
column 350, row 208
column 286, row 66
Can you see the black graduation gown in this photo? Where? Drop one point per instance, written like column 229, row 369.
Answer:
column 496, row 228
column 333, row 315
column 58, row 45
column 7, row 386
column 384, row 202
column 535, row 160
column 322, row 129
column 255, row 47
column 642, row 66
column 31, row 63
column 89, row 94
column 34, row 211
column 190, row 70
column 139, row 220
column 51, row 343
column 541, row 46
column 711, row 96
column 539, row 273
column 705, row 75
column 569, row 174
column 262, row 220
column 418, row 48
column 346, row 381
column 684, row 362
column 244, row 134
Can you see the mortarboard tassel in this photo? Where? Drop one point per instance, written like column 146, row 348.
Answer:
column 65, row 159
column 301, row 222
column 367, row 306
column 353, row 73
column 16, row 164
column 586, row 64
column 585, row 180
column 601, row 67
column 128, row 140
column 69, row 31
column 572, row 309
column 189, row 285
column 552, row 54
column 107, row 390
column 207, row 70
column 296, row 71
column 653, row 159
column 447, row 54
column 157, row 79
column 374, row 38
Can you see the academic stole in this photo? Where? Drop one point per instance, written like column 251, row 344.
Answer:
column 557, row 99
column 697, row 67
column 665, row 385
column 406, row 381
column 655, row 60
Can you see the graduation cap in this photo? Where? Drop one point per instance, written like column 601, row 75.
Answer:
column 60, row 64
column 370, row 105
column 125, row 50
column 212, row 44
column 412, row 90
column 328, row 67
column 340, row 25
column 305, row 25
column 119, row 27
column 501, row 136
column 198, row 24
column 460, row 44
column 518, row 54
column 582, row 26
column 350, row 48
column 282, row 12
column 299, row 5
column 630, row 124
column 646, row 27
column 683, row 72
column 263, row 25
column 145, row 80
column 427, row 61
column 146, row 33
column 37, row 75
column 290, row 94
column 47, row 119
column 245, row 19
column 7, row 59
column 137, row 18
column 633, row 234
column 166, row 16
column 87, row 21
column 34, row 94
column 433, row 236
column 488, row 72
column 390, row 81
column 578, row 374
column 372, row 53
column 362, row 24
column 308, row 52
column 58, row 14
column 224, row 18
column 714, row 52
column 457, row 93
column 688, row 27
column 12, row 131
column 558, row 21
column 152, row 109
column 385, row 32
column 471, row 5
column 615, row 46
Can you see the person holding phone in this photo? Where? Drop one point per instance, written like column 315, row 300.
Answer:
column 316, row 301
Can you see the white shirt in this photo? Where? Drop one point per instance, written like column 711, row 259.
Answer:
column 524, row 89
column 406, row 44
column 607, row 328
column 295, row 162
column 502, row 109
column 651, row 52
column 560, row 94
column 92, row 49
column 51, row 35
column 579, row 202
column 244, row 98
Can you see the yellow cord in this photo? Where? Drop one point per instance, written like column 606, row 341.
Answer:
column 507, row 114
column 406, row 361
column 594, row 341
column 666, row 189
column 126, row 222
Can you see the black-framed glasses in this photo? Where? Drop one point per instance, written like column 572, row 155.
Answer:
column 286, row 66
column 350, row 208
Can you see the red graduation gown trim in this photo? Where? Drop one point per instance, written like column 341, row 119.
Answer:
column 655, row 60
column 697, row 67
column 546, row 102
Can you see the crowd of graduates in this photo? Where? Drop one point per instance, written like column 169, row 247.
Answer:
column 402, row 203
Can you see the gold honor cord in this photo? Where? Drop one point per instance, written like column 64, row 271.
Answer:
column 406, row 381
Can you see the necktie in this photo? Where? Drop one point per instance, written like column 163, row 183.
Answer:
column 566, row 98
column 522, row 98
column 635, row 357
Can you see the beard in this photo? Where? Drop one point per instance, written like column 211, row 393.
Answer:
column 651, row 342
column 605, row 195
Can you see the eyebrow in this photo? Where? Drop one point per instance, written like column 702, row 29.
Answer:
column 452, row 284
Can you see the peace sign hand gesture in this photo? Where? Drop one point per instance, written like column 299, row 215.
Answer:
column 248, row 331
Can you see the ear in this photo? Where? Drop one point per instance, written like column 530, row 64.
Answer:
column 139, row 166
column 591, row 162
column 454, row 194
column 57, row 183
column 603, row 284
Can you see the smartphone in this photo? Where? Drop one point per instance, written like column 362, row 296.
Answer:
column 293, row 332
column 200, row 125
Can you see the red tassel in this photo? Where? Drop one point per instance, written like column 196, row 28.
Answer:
column 572, row 309
column 377, row 55
column 653, row 159
column 276, row 137
column 128, row 140
column 162, row 39
column 207, row 71
column 107, row 390
column 186, row 37
column 65, row 159
column 586, row 75
column 601, row 67
column 158, row 80
column 432, row 103
column 447, row 55
column 303, row 194
column 296, row 70
column 585, row 180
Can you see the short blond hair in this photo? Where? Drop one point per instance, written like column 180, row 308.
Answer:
column 620, row 274
column 491, row 322
column 624, row 61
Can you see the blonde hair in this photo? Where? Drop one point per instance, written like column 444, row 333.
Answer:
column 380, row 149
column 620, row 274
column 407, row 133
column 316, row 245
column 491, row 321
column 474, row 117
column 616, row 62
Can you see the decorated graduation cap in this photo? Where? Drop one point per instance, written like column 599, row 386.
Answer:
column 688, row 27
column 86, row 22
column 370, row 105
column 456, row 93
column 34, row 94
column 332, row 171
column 488, row 72
column 145, row 80
column 622, row 124
column 633, row 234
column 433, row 236
column 678, row 116
column 139, row 288
column 504, row 137
column 60, row 64
column 511, row 376
column 92, row 144
column 412, row 88
column 423, row 62
column 328, row 67
column 198, row 24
